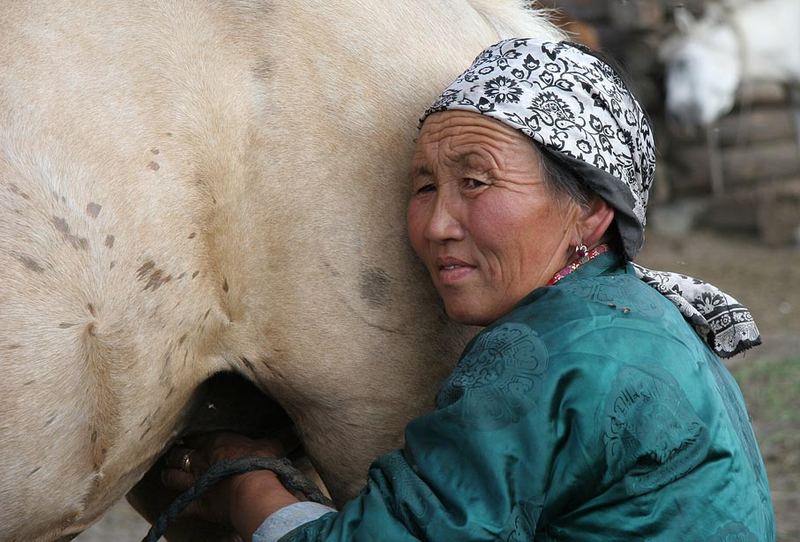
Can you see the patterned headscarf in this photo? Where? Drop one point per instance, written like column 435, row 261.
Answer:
column 578, row 109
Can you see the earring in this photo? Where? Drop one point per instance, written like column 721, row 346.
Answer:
column 581, row 251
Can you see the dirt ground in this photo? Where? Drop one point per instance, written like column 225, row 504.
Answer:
column 767, row 280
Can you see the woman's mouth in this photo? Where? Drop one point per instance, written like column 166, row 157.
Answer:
column 452, row 270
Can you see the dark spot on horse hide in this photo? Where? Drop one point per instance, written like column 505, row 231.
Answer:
column 155, row 277
column 50, row 420
column 192, row 235
column 90, row 329
column 206, row 314
column 65, row 325
column 154, row 166
column 224, row 285
column 111, row 266
column 181, row 276
column 16, row 191
column 195, row 274
column 92, row 310
column 30, row 263
column 109, row 241
column 144, row 269
column 248, row 364
column 93, row 209
column 94, row 436
column 263, row 69
column 13, row 346
column 374, row 286
column 77, row 242
column 168, row 134
column 181, row 339
column 61, row 224
column 156, row 280
column 34, row 471
column 154, row 150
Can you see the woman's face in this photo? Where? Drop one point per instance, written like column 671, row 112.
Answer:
column 481, row 217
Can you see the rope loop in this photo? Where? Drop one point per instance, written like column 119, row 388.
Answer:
column 290, row 477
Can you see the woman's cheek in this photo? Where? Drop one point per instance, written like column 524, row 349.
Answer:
column 416, row 227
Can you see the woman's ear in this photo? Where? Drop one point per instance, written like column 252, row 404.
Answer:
column 594, row 223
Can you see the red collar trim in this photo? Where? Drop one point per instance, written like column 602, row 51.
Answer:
column 592, row 254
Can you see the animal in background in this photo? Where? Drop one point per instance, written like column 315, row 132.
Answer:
column 710, row 58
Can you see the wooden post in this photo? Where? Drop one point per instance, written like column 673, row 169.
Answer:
column 715, row 161
column 794, row 93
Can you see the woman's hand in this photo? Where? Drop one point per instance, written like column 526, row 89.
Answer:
column 241, row 502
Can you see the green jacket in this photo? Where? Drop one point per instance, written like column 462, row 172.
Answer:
column 592, row 411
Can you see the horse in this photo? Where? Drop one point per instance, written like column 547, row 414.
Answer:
column 195, row 189
column 709, row 59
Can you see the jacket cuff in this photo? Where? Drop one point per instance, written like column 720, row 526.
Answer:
column 288, row 519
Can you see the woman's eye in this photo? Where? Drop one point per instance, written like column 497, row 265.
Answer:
column 472, row 184
column 426, row 188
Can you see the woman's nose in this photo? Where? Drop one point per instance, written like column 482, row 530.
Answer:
column 444, row 223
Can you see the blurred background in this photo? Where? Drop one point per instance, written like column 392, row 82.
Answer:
column 721, row 82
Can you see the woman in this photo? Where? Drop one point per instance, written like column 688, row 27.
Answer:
column 593, row 405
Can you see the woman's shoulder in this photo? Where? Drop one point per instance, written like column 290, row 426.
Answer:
column 605, row 321
column 618, row 289
column 615, row 302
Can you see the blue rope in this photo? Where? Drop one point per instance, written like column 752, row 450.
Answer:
column 289, row 476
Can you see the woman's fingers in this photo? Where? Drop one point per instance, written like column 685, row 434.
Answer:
column 180, row 468
column 177, row 480
column 186, row 459
column 192, row 457
column 195, row 454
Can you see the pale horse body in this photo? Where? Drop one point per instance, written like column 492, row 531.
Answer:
column 709, row 59
column 188, row 188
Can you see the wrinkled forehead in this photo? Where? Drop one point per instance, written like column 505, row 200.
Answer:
column 468, row 138
column 456, row 122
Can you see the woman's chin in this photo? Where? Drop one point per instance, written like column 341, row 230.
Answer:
column 469, row 316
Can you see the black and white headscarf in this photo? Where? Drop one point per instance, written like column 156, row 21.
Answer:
column 575, row 106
